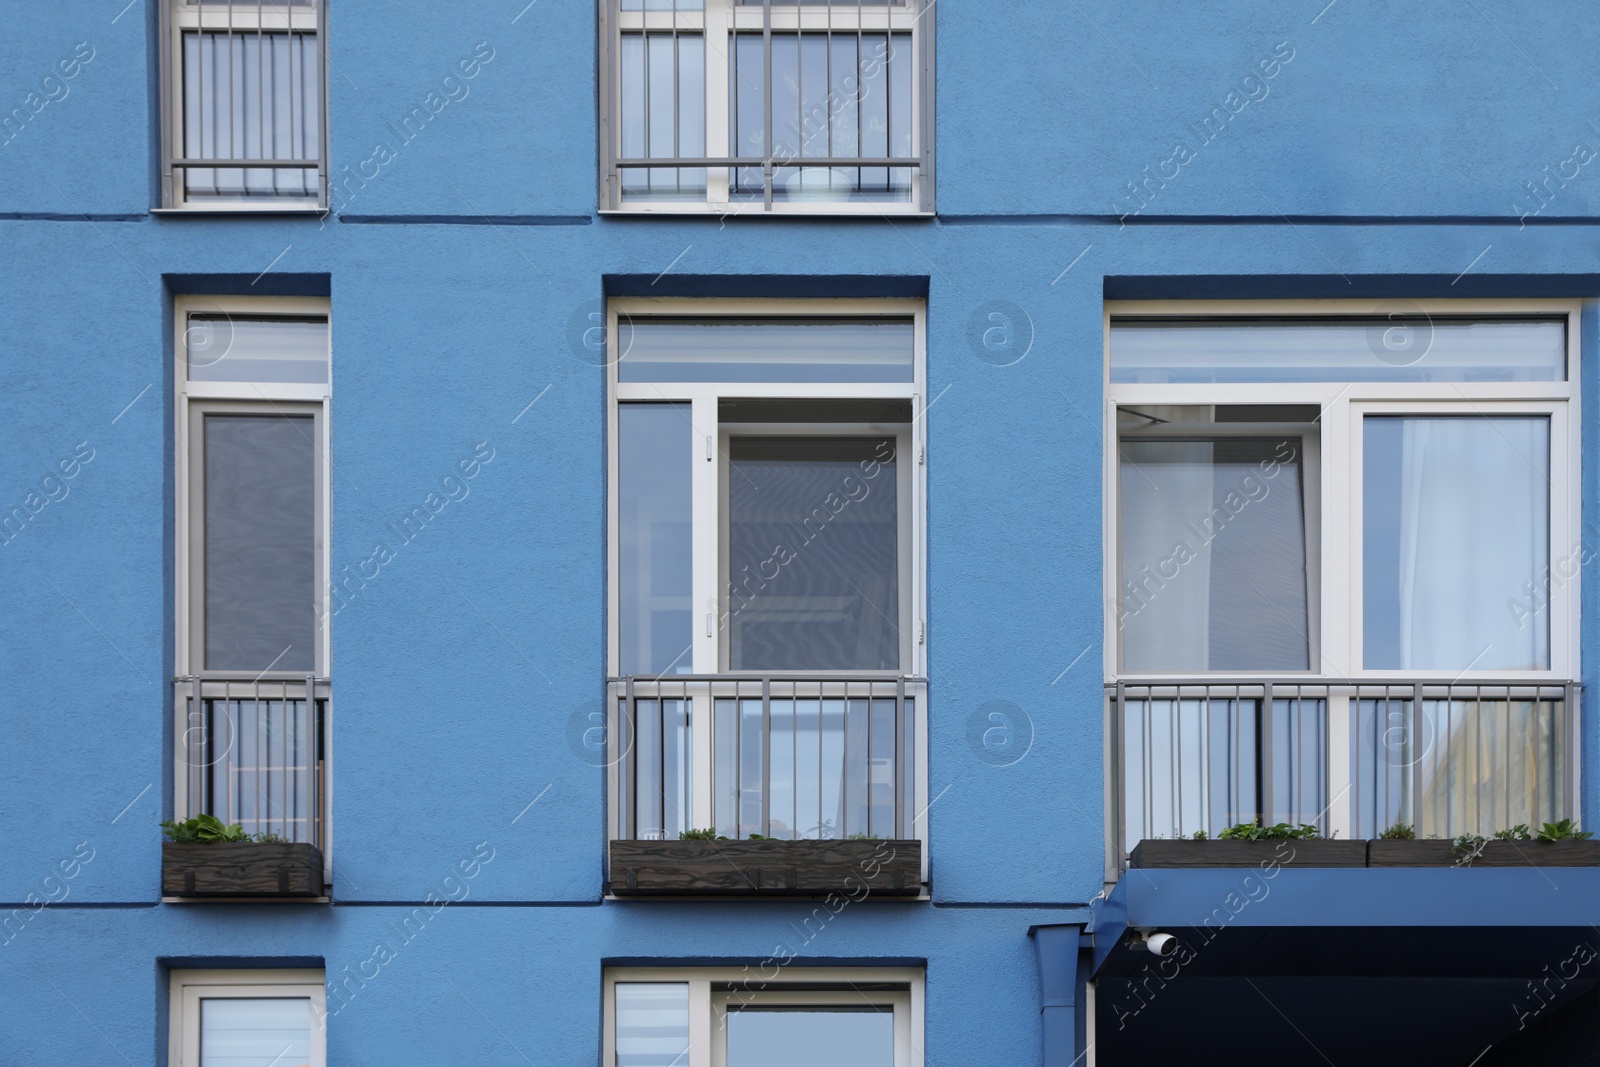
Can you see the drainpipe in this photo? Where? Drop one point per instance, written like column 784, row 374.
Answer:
column 1057, row 949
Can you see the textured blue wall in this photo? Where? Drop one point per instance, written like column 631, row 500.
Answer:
column 459, row 668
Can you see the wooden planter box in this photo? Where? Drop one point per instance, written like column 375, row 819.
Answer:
column 1313, row 853
column 1494, row 854
column 766, row 868
column 240, row 869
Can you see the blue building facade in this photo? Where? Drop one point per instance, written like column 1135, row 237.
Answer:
column 1168, row 417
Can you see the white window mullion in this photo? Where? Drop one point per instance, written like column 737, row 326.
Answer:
column 1567, row 550
column 706, row 582
column 1342, row 786
column 1341, row 523
column 718, row 69
column 700, row 1024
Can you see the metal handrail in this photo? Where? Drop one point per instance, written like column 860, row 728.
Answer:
column 638, row 775
column 212, row 779
column 1411, row 756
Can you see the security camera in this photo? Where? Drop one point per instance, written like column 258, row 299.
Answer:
column 1162, row 945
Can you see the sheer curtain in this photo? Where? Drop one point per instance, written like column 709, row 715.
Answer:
column 251, row 96
column 1213, row 543
column 1457, row 526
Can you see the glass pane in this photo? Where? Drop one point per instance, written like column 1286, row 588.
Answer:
column 773, row 350
column 654, row 449
column 251, row 96
column 813, row 554
column 662, row 110
column 260, row 542
column 806, row 1037
column 652, row 1024
column 664, row 768
column 262, row 759
column 1413, row 348
column 752, row 768
column 255, row 1031
column 226, row 348
column 780, row 785
column 881, row 820
column 843, row 94
column 1456, row 543
column 1213, row 555
column 1460, row 766
column 1190, row 764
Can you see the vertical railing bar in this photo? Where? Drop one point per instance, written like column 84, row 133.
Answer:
column 314, row 771
column 1569, row 745
column 631, row 810
column 677, row 104
column 766, row 756
column 205, row 774
column 1175, row 746
column 1147, row 732
column 904, row 829
column 1266, row 741
column 1118, row 766
column 822, row 704
column 1204, row 813
column 1414, row 761
column 766, row 166
column 844, row 781
column 261, row 91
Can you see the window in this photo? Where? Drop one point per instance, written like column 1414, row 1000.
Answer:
column 244, row 85
column 767, row 105
column 1329, row 525
column 267, row 1018
column 252, row 691
column 767, row 535
column 733, row 1017
column 766, row 477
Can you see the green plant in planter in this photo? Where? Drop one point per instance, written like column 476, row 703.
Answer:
column 1254, row 831
column 1199, row 835
column 1399, row 832
column 708, row 834
column 209, row 830
column 863, row 837
column 206, row 829
column 1565, row 830
column 1467, row 848
column 1518, row 832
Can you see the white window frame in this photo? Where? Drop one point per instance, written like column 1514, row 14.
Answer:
column 718, row 22
column 1343, row 405
column 709, row 506
column 708, row 1006
column 196, row 399
column 188, row 987
column 180, row 16
column 191, row 402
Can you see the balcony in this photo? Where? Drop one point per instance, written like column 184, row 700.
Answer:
column 1353, row 758
column 251, row 751
column 809, row 780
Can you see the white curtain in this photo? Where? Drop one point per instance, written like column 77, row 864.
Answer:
column 251, row 96
column 1474, row 528
column 1166, row 617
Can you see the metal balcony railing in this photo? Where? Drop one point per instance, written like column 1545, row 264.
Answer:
column 1352, row 758
column 245, row 85
column 252, row 752
column 781, row 757
column 764, row 103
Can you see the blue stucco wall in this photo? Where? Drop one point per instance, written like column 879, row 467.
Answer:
column 1398, row 136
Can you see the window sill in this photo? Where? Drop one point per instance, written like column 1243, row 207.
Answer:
column 756, row 211
column 294, row 210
